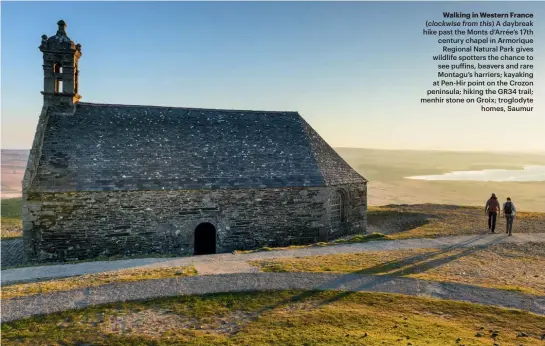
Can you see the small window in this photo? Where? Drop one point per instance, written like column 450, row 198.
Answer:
column 57, row 68
column 58, row 86
column 337, row 208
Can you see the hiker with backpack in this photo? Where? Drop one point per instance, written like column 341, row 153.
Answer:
column 509, row 214
column 492, row 208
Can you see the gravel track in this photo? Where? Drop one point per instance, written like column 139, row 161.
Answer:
column 23, row 307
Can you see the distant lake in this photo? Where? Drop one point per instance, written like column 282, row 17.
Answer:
column 528, row 173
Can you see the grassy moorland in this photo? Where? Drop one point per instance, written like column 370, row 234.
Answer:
column 503, row 266
column 93, row 280
column 435, row 220
column 11, row 226
column 282, row 318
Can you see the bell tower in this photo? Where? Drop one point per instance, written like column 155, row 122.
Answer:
column 61, row 56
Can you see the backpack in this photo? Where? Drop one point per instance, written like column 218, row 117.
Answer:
column 508, row 209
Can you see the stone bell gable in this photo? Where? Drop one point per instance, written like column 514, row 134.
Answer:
column 60, row 63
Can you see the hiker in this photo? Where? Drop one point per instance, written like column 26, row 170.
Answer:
column 509, row 214
column 492, row 208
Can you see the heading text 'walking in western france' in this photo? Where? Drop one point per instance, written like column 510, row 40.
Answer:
column 471, row 19
column 487, row 15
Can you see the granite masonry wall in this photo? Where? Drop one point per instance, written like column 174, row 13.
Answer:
column 84, row 225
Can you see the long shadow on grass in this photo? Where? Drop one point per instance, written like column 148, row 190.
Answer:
column 410, row 264
column 387, row 267
column 417, row 268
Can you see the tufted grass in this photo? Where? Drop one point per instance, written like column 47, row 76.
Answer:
column 358, row 238
column 281, row 318
column 11, row 228
column 11, row 208
column 10, row 212
column 436, row 220
column 93, row 280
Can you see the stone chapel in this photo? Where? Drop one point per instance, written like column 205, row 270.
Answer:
column 110, row 179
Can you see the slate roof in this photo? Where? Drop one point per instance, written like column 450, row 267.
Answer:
column 122, row 147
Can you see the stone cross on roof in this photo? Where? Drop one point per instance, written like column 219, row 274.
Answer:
column 62, row 26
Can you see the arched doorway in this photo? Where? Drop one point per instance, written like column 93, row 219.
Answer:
column 205, row 239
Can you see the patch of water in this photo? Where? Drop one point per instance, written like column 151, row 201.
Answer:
column 528, row 173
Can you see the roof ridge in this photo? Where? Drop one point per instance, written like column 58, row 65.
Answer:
column 314, row 140
column 304, row 127
column 186, row 108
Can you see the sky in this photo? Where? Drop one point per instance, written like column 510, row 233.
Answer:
column 356, row 71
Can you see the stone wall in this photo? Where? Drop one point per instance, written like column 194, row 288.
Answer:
column 355, row 200
column 31, row 171
column 82, row 225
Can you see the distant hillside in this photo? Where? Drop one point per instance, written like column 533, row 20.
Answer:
column 13, row 164
column 386, row 170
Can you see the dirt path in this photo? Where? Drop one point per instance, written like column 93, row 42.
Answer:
column 238, row 263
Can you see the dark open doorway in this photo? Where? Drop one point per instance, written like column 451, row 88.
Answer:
column 205, row 239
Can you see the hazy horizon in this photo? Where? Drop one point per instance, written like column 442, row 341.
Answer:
column 387, row 172
column 536, row 152
column 355, row 71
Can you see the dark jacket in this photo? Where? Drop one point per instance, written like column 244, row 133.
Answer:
column 492, row 205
